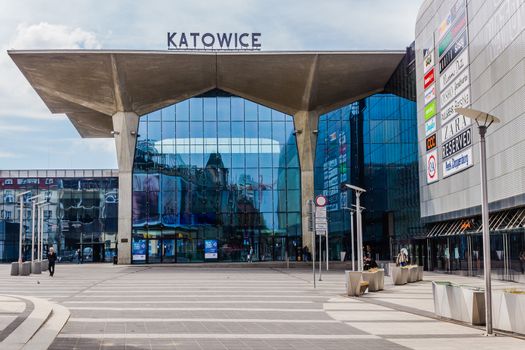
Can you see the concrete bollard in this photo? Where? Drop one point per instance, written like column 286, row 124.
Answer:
column 14, row 269
column 36, row 267
column 26, row 268
column 353, row 280
column 44, row 266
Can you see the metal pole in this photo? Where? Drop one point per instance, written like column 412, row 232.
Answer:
column 359, row 233
column 326, row 253
column 352, row 237
column 33, row 232
column 313, row 238
column 21, row 229
column 320, row 259
column 486, row 230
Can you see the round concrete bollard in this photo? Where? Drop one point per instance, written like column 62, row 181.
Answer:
column 36, row 268
column 14, row 269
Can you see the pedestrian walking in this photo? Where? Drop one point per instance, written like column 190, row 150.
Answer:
column 52, row 258
column 77, row 255
column 250, row 254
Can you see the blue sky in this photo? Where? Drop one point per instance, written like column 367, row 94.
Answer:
column 33, row 138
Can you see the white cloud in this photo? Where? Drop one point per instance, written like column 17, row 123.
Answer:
column 53, row 36
column 5, row 154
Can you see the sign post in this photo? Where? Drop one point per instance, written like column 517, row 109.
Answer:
column 321, row 228
column 310, row 204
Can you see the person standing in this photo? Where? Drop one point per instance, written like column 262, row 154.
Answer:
column 52, row 258
column 77, row 256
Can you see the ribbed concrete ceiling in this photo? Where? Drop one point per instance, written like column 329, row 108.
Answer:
column 90, row 86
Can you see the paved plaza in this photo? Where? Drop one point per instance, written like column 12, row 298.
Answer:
column 167, row 307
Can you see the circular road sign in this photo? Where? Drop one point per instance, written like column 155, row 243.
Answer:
column 321, row 201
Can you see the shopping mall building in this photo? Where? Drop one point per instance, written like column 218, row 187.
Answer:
column 222, row 149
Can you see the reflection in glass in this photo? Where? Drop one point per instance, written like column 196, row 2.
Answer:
column 222, row 175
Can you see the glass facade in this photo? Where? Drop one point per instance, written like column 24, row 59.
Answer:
column 216, row 177
column 81, row 214
column 371, row 143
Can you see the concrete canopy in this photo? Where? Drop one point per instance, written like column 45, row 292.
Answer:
column 91, row 86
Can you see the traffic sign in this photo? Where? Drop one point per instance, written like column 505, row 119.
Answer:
column 320, row 232
column 321, row 201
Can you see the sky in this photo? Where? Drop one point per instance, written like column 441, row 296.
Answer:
column 33, row 138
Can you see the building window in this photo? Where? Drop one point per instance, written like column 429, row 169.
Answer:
column 216, row 167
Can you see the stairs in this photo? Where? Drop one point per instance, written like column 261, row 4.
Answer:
column 39, row 329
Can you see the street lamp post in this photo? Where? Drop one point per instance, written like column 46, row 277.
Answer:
column 484, row 121
column 352, row 236
column 34, row 200
column 358, row 191
column 21, row 196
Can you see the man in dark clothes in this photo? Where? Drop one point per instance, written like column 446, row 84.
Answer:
column 52, row 258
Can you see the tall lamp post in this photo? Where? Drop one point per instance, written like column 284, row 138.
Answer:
column 352, row 235
column 484, row 121
column 358, row 191
column 21, row 196
column 34, row 200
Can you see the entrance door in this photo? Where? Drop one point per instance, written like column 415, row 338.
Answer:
column 154, row 251
column 98, row 252
column 168, row 250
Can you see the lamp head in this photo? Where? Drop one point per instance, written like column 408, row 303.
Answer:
column 481, row 118
column 355, row 188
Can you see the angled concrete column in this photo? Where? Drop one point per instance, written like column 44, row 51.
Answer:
column 125, row 127
column 305, row 123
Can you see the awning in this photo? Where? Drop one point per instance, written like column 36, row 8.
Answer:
column 499, row 222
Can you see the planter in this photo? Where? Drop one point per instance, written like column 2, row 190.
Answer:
column 44, row 265
column 460, row 303
column 507, row 311
column 420, row 270
column 375, row 279
column 399, row 275
column 412, row 273
column 381, row 279
column 36, row 267
column 353, row 280
column 14, row 269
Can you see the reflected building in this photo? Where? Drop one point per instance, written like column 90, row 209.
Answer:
column 81, row 213
column 215, row 167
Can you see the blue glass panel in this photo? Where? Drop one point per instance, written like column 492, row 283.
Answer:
column 237, row 109
column 196, row 109
column 182, row 110
column 210, row 108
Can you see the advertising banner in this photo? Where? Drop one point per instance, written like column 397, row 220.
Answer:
column 462, row 81
column 431, row 142
column 451, row 17
column 455, row 49
column 432, row 173
column 428, row 62
column 430, row 110
column 457, row 143
column 430, row 93
column 449, row 112
column 452, row 34
column 458, row 163
column 210, row 249
column 139, row 249
column 429, row 79
column 430, row 126
column 455, row 69
column 453, row 127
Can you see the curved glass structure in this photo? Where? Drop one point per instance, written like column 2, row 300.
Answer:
column 216, row 178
